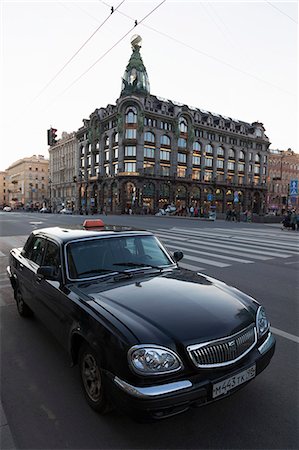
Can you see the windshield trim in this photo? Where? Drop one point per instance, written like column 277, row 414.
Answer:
column 116, row 272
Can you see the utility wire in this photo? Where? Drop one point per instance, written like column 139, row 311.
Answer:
column 113, row 46
column 76, row 53
column 231, row 66
column 282, row 12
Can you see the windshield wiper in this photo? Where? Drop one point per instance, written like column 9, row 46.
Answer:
column 137, row 265
column 100, row 271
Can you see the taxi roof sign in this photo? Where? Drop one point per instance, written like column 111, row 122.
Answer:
column 93, row 223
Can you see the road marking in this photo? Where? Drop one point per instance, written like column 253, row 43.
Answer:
column 214, row 255
column 1, row 254
column 294, row 262
column 289, row 336
column 190, row 267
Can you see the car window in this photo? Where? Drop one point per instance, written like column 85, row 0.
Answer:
column 96, row 256
column 36, row 250
column 52, row 257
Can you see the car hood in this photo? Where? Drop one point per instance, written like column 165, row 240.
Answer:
column 180, row 306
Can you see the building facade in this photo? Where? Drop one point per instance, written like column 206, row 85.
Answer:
column 63, row 172
column 3, row 189
column 146, row 152
column 283, row 167
column 27, row 182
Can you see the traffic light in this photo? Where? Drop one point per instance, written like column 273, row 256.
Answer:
column 52, row 136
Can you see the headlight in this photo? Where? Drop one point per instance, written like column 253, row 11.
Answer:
column 262, row 323
column 153, row 360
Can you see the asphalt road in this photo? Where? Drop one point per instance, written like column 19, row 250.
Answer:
column 41, row 394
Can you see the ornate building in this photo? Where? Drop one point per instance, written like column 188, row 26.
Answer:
column 27, row 182
column 283, row 166
column 146, row 152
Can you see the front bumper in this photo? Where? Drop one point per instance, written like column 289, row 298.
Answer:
column 165, row 400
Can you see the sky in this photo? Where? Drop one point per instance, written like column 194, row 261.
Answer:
column 237, row 59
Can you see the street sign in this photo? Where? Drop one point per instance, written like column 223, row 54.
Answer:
column 210, row 197
column 293, row 188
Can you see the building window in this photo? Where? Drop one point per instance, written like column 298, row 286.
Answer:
column 130, row 133
column 149, row 168
column 257, row 158
column 182, row 158
column 107, row 170
column 130, row 167
column 208, row 162
column 231, row 154
column 115, row 152
column 115, row 168
column 182, row 143
column 196, row 147
column 131, row 115
column 183, row 126
column 196, row 160
column 130, row 150
column 150, row 122
column 149, row 137
column 164, row 155
column 211, row 136
column 115, row 138
column 149, row 152
column 165, row 171
column 220, row 164
column 165, row 140
column 106, row 155
column 256, row 170
column 198, row 133
column 165, row 126
column 220, row 152
column 181, row 172
column 207, row 176
column 209, row 149
column 241, row 155
column 231, row 166
column 241, row 167
column 195, row 175
column 97, row 158
column 106, row 141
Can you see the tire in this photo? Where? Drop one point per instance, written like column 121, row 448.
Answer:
column 23, row 309
column 92, row 379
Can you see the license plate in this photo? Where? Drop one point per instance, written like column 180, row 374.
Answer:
column 225, row 386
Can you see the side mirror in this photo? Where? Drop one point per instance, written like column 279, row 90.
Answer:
column 177, row 256
column 48, row 272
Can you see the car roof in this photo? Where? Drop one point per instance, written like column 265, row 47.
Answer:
column 66, row 234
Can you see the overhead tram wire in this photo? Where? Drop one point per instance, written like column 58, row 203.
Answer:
column 76, row 53
column 282, row 12
column 231, row 66
column 113, row 46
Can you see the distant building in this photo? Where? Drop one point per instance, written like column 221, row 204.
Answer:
column 283, row 167
column 3, row 189
column 63, row 172
column 27, row 182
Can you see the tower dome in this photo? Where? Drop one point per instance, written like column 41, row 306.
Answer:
column 135, row 79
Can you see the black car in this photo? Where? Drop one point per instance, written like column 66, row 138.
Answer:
column 150, row 337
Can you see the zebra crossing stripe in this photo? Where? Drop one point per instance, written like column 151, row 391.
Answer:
column 230, row 258
column 190, row 267
column 1, row 254
column 243, row 247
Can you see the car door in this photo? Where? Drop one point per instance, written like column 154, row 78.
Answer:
column 55, row 307
column 29, row 261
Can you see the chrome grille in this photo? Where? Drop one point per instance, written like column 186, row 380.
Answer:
column 222, row 352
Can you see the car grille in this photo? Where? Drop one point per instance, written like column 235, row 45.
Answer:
column 222, row 352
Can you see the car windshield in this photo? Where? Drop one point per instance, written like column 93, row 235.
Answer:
column 95, row 257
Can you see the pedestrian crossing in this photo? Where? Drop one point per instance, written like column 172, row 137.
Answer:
column 224, row 247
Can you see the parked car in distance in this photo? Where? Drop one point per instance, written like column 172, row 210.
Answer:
column 7, row 208
column 45, row 210
column 149, row 337
column 65, row 211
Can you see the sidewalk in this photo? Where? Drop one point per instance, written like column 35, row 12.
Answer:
column 6, row 440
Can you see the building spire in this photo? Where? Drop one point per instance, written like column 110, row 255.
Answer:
column 135, row 79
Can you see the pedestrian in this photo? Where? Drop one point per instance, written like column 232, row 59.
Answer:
column 293, row 220
column 191, row 210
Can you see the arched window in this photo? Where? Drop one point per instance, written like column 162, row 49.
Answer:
column 165, row 140
column 183, row 125
column 115, row 138
column 220, row 152
column 209, row 149
column 257, row 158
column 241, row 155
column 149, row 137
column 106, row 141
column 231, row 154
column 196, row 147
column 131, row 115
column 182, row 143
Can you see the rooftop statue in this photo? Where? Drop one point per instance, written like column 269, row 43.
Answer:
column 135, row 79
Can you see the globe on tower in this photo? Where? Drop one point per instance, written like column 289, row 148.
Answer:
column 135, row 79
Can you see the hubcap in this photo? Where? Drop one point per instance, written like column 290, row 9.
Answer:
column 91, row 377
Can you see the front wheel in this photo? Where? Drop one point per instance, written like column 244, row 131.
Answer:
column 23, row 308
column 92, row 379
